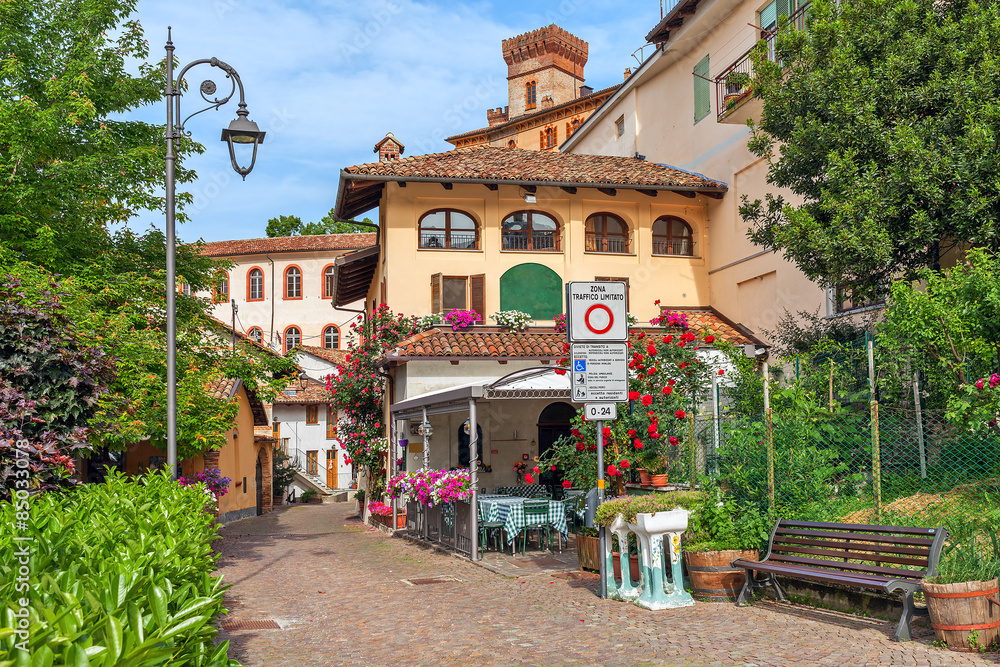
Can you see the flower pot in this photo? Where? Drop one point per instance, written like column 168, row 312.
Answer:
column 658, row 480
column 633, row 566
column 588, row 552
column 712, row 577
column 963, row 612
column 644, row 477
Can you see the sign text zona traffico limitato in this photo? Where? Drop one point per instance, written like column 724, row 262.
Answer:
column 596, row 311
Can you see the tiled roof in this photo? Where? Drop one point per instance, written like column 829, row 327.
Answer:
column 715, row 323
column 312, row 393
column 223, row 388
column 287, row 244
column 507, row 164
column 530, row 116
column 338, row 357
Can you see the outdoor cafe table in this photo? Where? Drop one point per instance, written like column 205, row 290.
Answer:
column 510, row 511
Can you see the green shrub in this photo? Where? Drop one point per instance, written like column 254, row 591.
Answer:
column 120, row 574
column 720, row 523
column 309, row 494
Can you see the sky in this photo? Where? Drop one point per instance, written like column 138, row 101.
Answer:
column 326, row 79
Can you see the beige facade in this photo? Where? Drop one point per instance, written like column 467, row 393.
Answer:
column 654, row 114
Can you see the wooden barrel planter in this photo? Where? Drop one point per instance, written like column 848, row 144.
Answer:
column 964, row 615
column 712, row 577
column 588, row 552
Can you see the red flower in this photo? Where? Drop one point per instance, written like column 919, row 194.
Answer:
column 671, row 382
column 668, row 339
column 535, row 470
column 651, row 350
column 638, row 444
column 580, row 446
column 680, row 344
column 567, row 484
column 631, row 432
column 592, row 448
column 560, row 371
column 679, row 414
column 612, row 470
column 722, row 371
column 552, row 468
column 656, row 303
column 642, row 335
column 576, row 433
column 652, row 369
column 623, row 464
column 607, row 431
column 709, row 339
column 633, row 396
column 647, row 400
column 668, row 390
column 529, row 479
column 674, row 441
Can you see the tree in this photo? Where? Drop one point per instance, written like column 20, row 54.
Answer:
column 69, row 165
column 292, row 225
column 883, row 118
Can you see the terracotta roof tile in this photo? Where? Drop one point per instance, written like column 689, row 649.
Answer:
column 506, row 164
column 338, row 357
column 312, row 393
column 287, row 244
column 223, row 388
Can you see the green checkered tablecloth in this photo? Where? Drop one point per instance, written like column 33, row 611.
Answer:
column 510, row 512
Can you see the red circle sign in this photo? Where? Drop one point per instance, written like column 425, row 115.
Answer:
column 599, row 306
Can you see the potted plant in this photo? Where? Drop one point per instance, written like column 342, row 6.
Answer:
column 720, row 531
column 657, row 469
column 962, row 597
column 310, row 496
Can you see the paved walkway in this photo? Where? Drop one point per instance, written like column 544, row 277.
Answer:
column 336, row 592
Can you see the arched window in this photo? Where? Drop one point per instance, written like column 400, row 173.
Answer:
column 530, row 230
column 328, row 282
column 530, row 94
column 672, row 236
column 572, row 127
column 446, row 228
column 293, row 283
column 548, row 138
column 331, row 337
column 293, row 338
column 606, row 233
column 255, row 334
column 255, row 285
column 512, row 143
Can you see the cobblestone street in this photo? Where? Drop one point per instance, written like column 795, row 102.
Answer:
column 335, row 591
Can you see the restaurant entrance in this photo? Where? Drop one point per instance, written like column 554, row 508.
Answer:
column 553, row 423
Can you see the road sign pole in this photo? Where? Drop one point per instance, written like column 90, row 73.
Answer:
column 600, row 499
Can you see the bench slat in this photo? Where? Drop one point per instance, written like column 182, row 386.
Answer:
column 925, row 552
column 852, row 555
column 816, row 574
column 856, row 537
column 858, row 528
column 855, row 567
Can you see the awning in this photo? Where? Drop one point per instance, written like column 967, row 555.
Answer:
column 527, row 383
column 353, row 274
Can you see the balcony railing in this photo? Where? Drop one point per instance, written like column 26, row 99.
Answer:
column 540, row 241
column 459, row 240
column 598, row 243
column 735, row 83
column 682, row 247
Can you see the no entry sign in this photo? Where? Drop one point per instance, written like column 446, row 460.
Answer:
column 596, row 312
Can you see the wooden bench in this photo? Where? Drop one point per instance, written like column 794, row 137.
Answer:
column 886, row 558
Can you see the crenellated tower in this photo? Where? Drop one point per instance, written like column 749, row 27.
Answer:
column 544, row 65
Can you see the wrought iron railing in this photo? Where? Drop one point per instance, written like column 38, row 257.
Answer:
column 599, row 243
column 683, row 247
column 459, row 240
column 735, row 83
column 540, row 241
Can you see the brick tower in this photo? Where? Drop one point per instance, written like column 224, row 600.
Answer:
column 544, row 64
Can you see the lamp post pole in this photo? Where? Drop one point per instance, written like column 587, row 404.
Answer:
column 240, row 131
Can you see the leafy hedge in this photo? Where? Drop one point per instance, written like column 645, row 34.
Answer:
column 120, row 575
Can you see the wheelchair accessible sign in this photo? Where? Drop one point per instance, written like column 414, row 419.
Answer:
column 597, row 330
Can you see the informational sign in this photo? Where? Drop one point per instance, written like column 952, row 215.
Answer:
column 600, row 411
column 596, row 312
column 600, row 372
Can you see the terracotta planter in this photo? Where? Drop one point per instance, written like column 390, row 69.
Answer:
column 658, row 480
column 588, row 552
column 963, row 612
column 644, row 477
column 633, row 566
column 712, row 578
column 387, row 520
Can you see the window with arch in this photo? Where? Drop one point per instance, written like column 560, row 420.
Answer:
column 331, row 337
column 512, row 143
column 220, row 290
column 256, row 334
column 530, row 94
column 448, row 229
column 255, row 285
column 328, row 281
column 572, row 127
column 672, row 236
column 293, row 283
column 293, row 338
column 548, row 138
column 530, row 230
column 606, row 233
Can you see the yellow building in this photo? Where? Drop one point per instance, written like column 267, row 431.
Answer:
column 497, row 229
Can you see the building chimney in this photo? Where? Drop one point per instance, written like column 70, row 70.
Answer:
column 586, row 90
column 628, row 73
column 389, row 148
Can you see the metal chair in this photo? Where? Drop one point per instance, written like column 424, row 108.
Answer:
column 536, row 517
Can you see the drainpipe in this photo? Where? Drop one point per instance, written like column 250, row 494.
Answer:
column 273, row 287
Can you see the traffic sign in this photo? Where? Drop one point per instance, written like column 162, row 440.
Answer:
column 600, row 411
column 604, row 377
column 596, row 312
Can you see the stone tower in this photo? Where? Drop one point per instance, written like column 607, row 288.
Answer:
column 544, row 69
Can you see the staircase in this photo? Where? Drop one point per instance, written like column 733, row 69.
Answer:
column 306, row 481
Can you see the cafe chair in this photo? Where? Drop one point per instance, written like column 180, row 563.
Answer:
column 536, row 517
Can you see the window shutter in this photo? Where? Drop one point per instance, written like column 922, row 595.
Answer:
column 784, row 7
column 702, row 90
column 436, row 280
column 477, row 294
column 769, row 15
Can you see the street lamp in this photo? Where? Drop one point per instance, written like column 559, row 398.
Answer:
column 241, row 131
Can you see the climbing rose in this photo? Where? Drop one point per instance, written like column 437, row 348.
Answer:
column 668, row 390
column 536, row 470
column 674, row 441
column 638, row 443
column 709, row 339
column 567, row 484
column 647, row 400
column 722, row 371
column 979, row 383
column 994, row 380
column 560, row 371
column 623, row 464
column 633, row 396
column 679, row 414
column 671, row 382
column 651, row 350
column 529, row 479
column 668, row 339
column 607, row 431
column 612, row 471
column 580, row 446
column 552, row 468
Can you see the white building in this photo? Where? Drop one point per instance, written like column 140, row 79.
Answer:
column 282, row 289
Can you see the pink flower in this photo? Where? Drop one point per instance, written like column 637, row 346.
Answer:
column 979, row 383
column 529, row 479
column 994, row 380
column 674, row 441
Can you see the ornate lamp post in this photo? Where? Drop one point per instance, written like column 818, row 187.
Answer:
column 241, row 131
